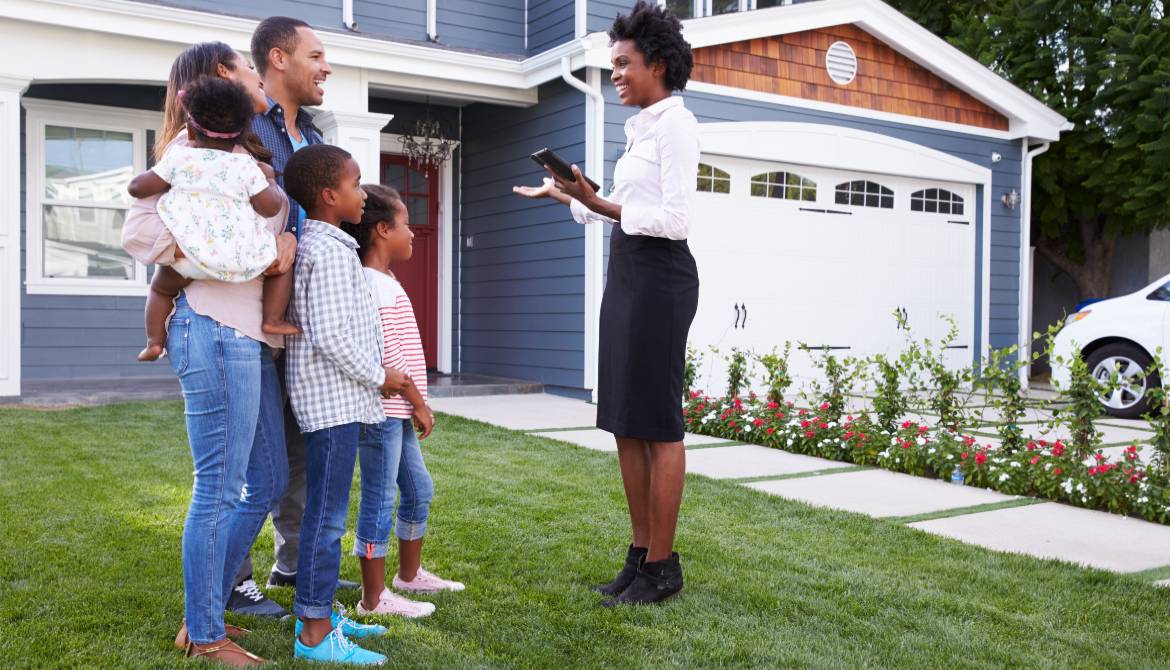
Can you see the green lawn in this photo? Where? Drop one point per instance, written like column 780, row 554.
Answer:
column 92, row 504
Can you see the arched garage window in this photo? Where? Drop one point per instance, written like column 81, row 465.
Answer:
column 863, row 193
column 936, row 200
column 713, row 180
column 784, row 185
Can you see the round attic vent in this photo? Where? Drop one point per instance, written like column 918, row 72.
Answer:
column 841, row 63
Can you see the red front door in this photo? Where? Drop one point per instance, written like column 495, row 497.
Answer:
column 420, row 275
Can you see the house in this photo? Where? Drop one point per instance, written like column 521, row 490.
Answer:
column 854, row 165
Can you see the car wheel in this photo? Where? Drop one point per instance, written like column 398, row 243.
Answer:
column 1129, row 400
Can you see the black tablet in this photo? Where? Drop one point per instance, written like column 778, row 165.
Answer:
column 547, row 158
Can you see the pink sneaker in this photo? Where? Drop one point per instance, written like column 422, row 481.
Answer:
column 393, row 604
column 425, row 582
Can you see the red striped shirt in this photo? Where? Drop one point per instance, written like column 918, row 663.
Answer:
column 401, row 344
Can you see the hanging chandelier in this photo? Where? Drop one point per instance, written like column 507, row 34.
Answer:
column 426, row 148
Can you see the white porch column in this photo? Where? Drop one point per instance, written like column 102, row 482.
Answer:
column 11, row 88
column 359, row 133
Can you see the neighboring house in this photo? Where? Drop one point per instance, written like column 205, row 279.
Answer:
column 853, row 164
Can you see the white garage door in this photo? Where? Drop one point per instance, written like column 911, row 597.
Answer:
column 825, row 257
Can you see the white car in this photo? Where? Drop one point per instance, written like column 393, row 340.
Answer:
column 1123, row 335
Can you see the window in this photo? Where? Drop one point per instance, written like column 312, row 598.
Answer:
column 936, row 201
column 784, row 185
column 80, row 160
column 863, row 193
column 1161, row 293
column 713, row 180
column 689, row 9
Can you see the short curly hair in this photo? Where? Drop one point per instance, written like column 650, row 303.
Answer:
column 312, row 170
column 658, row 35
column 218, row 105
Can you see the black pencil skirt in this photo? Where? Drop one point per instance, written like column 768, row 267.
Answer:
column 651, row 294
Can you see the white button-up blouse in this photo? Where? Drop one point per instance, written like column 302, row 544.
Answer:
column 654, row 180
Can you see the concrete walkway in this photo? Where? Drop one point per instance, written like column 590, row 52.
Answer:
column 975, row 516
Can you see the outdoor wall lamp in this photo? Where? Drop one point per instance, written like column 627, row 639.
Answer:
column 1011, row 199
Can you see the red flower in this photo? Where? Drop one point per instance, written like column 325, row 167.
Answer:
column 805, row 424
column 963, row 456
column 849, row 418
column 849, row 435
column 980, row 458
column 1057, row 471
column 1035, row 460
column 906, row 444
column 771, row 430
column 809, row 433
column 1093, row 472
column 824, row 407
column 922, row 430
column 906, row 424
column 758, row 422
column 1100, row 457
column 779, row 415
column 773, row 405
column 861, row 437
column 822, row 425
column 1058, row 449
column 1044, row 443
column 803, row 412
column 1031, row 446
column 732, row 424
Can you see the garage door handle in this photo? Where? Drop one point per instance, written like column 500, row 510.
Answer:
column 736, row 316
column 744, row 324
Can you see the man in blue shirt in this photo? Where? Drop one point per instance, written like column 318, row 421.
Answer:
column 291, row 60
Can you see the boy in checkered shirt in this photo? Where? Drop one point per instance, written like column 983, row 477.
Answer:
column 334, row 376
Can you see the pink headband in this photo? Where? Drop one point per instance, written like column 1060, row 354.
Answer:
column 210, row 133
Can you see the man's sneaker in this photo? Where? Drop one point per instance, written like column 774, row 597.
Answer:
column 425, row 582
column 278, row 579
column 247, row 598
column 348, row 626
column 394, row 604
column 335, row 648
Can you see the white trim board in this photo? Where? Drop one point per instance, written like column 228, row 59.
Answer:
column 10, row 322
column 392, row 144
column 842, row 148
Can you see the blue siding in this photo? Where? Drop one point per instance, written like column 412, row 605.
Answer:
column 73, row 337
column 1005, row 224
column 489, row 25
column 550, row 24
column 318, row 13
column 601, row 13
column 522, row 280
column 404, row 19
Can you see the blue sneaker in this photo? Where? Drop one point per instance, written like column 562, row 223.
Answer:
column 349, row 627
column 336, row 649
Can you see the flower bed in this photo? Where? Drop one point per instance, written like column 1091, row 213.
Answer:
column 1041, row 468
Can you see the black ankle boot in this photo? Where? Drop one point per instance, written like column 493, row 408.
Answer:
column 656, row 581
column 634, row 558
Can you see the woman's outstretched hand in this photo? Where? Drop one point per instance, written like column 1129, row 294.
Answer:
column 579, row 190
column 545, row 190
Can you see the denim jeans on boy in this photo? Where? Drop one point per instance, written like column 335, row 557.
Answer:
column 330, row 455
column 392, row 462
column 219, row 371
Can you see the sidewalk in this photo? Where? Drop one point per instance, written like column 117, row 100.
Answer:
column 976, row 516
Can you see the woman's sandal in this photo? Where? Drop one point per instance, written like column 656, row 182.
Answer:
column 226, row 652
column 182, row 639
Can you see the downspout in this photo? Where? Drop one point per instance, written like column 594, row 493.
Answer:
column 1026, row 257
column 347, row 15
column 594, row 234
column 432, row 20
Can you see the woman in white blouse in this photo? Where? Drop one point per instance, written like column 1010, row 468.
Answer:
column 651, row 292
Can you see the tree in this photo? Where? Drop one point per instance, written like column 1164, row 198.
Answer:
column 1105, row 66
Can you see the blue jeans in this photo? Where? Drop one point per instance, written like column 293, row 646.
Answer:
column 227, row 390
column 330, row 455
column 390, row 460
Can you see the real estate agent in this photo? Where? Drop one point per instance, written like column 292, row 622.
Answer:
column 651, row 292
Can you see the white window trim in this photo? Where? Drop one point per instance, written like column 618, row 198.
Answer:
column 702, row 8
column 41, row 113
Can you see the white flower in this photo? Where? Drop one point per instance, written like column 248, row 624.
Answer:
column 931, row 450
column 921, row 441
column 747, row 428
column 1067, row 486
column 1004, row 477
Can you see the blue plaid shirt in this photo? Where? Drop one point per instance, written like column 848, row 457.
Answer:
column 270, row 128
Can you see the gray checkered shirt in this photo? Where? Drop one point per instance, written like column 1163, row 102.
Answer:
column 335, row 366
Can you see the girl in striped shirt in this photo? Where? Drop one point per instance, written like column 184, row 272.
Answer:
column 384, row 237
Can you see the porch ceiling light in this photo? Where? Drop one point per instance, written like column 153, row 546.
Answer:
column 426, row 148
